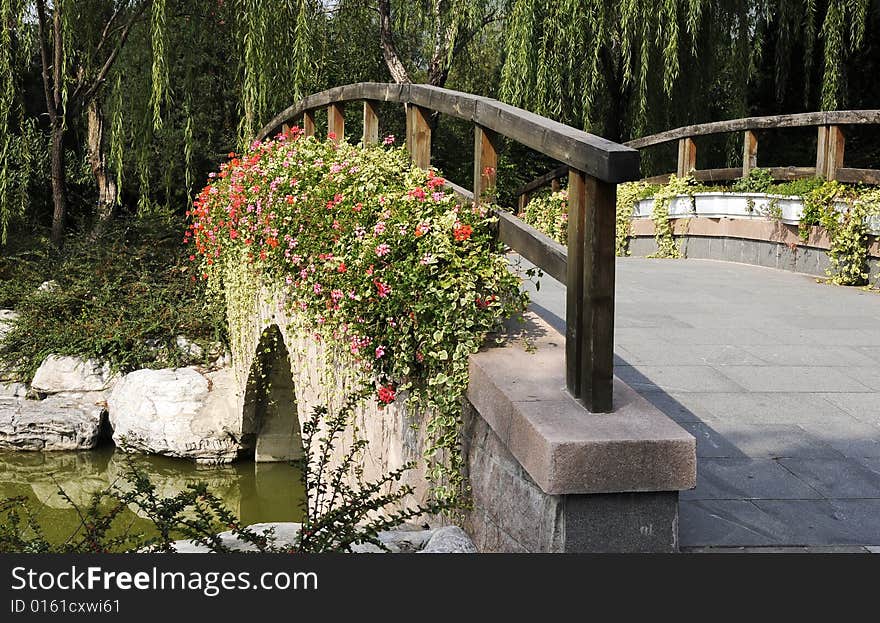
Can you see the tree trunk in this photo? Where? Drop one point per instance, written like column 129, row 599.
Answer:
column 105, row 182
column 58, row 192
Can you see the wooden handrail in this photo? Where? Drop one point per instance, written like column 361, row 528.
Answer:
column 829, row 150
column 799, row 120
column 594, row 166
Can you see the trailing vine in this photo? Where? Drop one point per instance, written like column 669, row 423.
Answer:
column 628, row 196
column 663, row 230
column 375, row 258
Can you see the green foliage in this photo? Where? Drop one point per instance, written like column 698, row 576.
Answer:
column 548, row 212
column 757, row 181
column 628, row 195
column 625, row 68
column 663, row 230
column 377, row 258
column 122, row 299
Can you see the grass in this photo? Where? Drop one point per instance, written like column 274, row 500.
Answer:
column 123, row 299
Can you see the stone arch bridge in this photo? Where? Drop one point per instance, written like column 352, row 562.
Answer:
column 575, row 445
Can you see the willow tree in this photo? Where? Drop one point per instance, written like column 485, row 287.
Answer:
column 134, row 62
column 624, row 67
column 435, row 32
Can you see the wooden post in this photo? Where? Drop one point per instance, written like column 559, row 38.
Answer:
column 750, row 152
column 418, row 135
column 309, row 123
column 336, row 121
column 687, row 156
column 371, row 123
column 589, row 330
column 523, row 203
column 285, row 128
column 829, row 151
column 485, row 164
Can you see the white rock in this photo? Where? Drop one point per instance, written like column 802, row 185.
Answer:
column 49, row 286
column 7, row 320
column 70, row 374
column 61, row 422
column 177, row 412
column 449, row 540
column 189, row 348
column 11, row 391
column 285, row 534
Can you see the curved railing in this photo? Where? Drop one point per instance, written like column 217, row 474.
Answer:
column 594, row 167
column 829, row 149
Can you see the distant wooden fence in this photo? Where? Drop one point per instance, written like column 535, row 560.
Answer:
column 594, row 166
column 829, row 151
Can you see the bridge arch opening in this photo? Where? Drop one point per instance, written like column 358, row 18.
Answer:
column 270, row 420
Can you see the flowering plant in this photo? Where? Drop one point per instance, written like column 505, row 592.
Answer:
column 377, row 256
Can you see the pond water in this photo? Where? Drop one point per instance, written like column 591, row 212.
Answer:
column 255, row 492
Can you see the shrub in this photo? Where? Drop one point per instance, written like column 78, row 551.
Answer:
column 122, row 299
column 376, row 256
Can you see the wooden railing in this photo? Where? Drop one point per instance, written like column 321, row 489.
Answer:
column 594, row 167
column 829, row 150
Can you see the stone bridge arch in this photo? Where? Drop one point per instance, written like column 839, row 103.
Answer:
column 282, row 373
column 270, row 419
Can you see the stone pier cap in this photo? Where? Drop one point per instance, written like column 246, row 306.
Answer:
column 519, row 389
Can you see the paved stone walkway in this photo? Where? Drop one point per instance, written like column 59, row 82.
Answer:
column 777, row 377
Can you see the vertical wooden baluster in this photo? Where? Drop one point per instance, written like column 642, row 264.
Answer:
column 596, row 338
column 589, row 343
column 336, row 121
column 574, row 292
column 418, row 135
column 836, row 144
column 485, row 164
column 750, row 152
column 371, row 123
column 309, row 123
column 523, row 203
column 285, row 128
column 687, row 156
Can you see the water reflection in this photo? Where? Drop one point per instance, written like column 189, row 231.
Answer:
column 254, row 491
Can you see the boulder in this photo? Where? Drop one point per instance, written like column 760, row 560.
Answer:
column 62, row 422
column 188, row 347
column 12, row 390
column 7, row 320
column 177, row 412
column 284, row 533
column 71, row 374
column 449, row 540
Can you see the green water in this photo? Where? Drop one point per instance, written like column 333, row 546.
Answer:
column 255, row 492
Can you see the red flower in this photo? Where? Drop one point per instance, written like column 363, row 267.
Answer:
column 461, row 232
column 386, row 394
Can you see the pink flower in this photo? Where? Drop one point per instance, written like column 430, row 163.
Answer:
column 317, row 288
column 380, row 351
column 382, row 289
column 388, row 140
column 383, row 249
column 379, row 228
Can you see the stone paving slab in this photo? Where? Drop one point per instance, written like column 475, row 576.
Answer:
column 777, row 377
